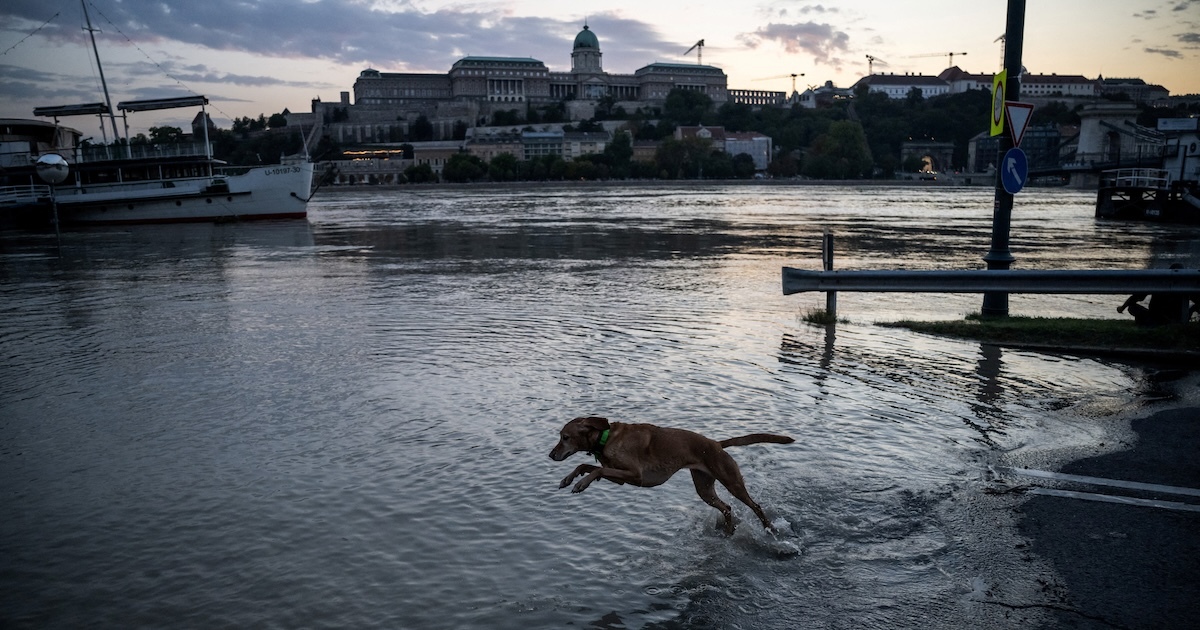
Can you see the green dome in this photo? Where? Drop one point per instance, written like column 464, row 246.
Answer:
column 586, row 39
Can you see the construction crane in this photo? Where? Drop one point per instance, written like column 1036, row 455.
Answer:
column 1003, row 39
column 783, row 76
column 951, row 55
column 699, row 48
column 871, row 61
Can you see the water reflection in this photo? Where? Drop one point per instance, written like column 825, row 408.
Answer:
column 988, row 416
column 358, row 408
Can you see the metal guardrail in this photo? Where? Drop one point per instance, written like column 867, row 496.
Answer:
column 1125, row 281
column 1134, row 178
column 20, row 195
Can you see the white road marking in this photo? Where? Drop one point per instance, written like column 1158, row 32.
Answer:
column 1108, row 498
column 1100, row 481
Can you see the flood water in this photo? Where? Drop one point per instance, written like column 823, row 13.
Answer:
column 344, row 422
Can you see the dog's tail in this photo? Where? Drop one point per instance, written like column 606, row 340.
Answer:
column 757, row 438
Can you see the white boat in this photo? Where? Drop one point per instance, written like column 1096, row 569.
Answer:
column 124, row 182
column 142, row 183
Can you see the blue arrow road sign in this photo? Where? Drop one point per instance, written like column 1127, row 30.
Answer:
column 1014, row 170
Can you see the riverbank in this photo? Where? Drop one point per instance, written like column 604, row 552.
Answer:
column 974, row 180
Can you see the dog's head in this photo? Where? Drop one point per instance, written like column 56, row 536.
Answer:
column 580, row 434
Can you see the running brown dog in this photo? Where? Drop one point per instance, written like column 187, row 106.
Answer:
column 646, row 455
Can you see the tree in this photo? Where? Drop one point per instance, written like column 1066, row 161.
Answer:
column 842, row 153
column 420, row 174
column 504, row 168
column 736, row 116
column 717, row 165
column 165, row 135
column 507, row 118
column 687, row 107
column 683, row 158
column 604, row 106
column 421, row 130
column 464, row 167
column 276, row 121
column 784, row 165
column 619, row 153
column 743, row 166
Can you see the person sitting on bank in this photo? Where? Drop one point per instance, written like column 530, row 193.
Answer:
column 1164, row 308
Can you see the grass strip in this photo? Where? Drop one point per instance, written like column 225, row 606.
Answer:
column 1064, row 332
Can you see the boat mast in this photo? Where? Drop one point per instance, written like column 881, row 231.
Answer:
column 107, row 99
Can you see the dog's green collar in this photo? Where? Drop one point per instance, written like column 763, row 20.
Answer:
column 600, row 447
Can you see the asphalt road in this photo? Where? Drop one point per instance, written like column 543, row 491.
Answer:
column 1125, row 566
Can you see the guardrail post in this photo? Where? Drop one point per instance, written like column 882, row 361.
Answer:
column 827, row 265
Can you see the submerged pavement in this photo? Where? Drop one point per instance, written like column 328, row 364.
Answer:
column 1123, row 565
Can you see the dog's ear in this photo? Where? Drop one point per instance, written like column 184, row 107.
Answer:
column 596, row 423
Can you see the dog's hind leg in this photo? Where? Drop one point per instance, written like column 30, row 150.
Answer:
column 731, row 477
column 737, row 488
column 705, row 487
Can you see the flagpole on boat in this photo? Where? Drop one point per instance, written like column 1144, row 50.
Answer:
column 96, row 51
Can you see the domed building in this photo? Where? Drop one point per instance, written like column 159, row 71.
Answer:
column 477, row 87
column 526, row 80
column 585, row 57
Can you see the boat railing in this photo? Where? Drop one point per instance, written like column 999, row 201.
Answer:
column 140, row 151
column 1134, row 178
column 21, row 195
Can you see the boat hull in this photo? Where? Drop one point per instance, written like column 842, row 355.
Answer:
column 263, row 192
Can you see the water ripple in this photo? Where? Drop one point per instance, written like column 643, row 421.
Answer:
column 344, row 422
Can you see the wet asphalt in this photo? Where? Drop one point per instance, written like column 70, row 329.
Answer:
column 1118, row 565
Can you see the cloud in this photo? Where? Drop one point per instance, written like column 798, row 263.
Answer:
column 200, row 73
column 1184, row 6
column 385, row 35
column 821, row 41
column 1166, row 52
column 389, row 35
column 1188, row 38
column 17, row 83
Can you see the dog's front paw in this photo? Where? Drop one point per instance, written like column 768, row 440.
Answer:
column 581, row 486
column 565, row 482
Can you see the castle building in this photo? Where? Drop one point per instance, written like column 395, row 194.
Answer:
column 526, row 80
column 386, row 104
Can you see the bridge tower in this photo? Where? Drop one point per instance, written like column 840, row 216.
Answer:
column 1109, row 135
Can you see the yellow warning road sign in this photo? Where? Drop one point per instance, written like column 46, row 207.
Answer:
column 999, row 92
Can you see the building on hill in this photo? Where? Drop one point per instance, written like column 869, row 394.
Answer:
column 823, row 96
column 1135, row 90
column 752, row 143
column 960, row 81
column 386, row 105
column 758, row 98
column 1067, row 85
column 899, row 86
column 756, row 145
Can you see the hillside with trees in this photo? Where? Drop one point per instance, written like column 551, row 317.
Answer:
column 857, row 138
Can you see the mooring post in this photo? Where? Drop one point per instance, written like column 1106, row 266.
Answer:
column 827, row 264
column 999, row 256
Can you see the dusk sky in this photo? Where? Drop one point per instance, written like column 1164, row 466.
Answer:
column 251, row 57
